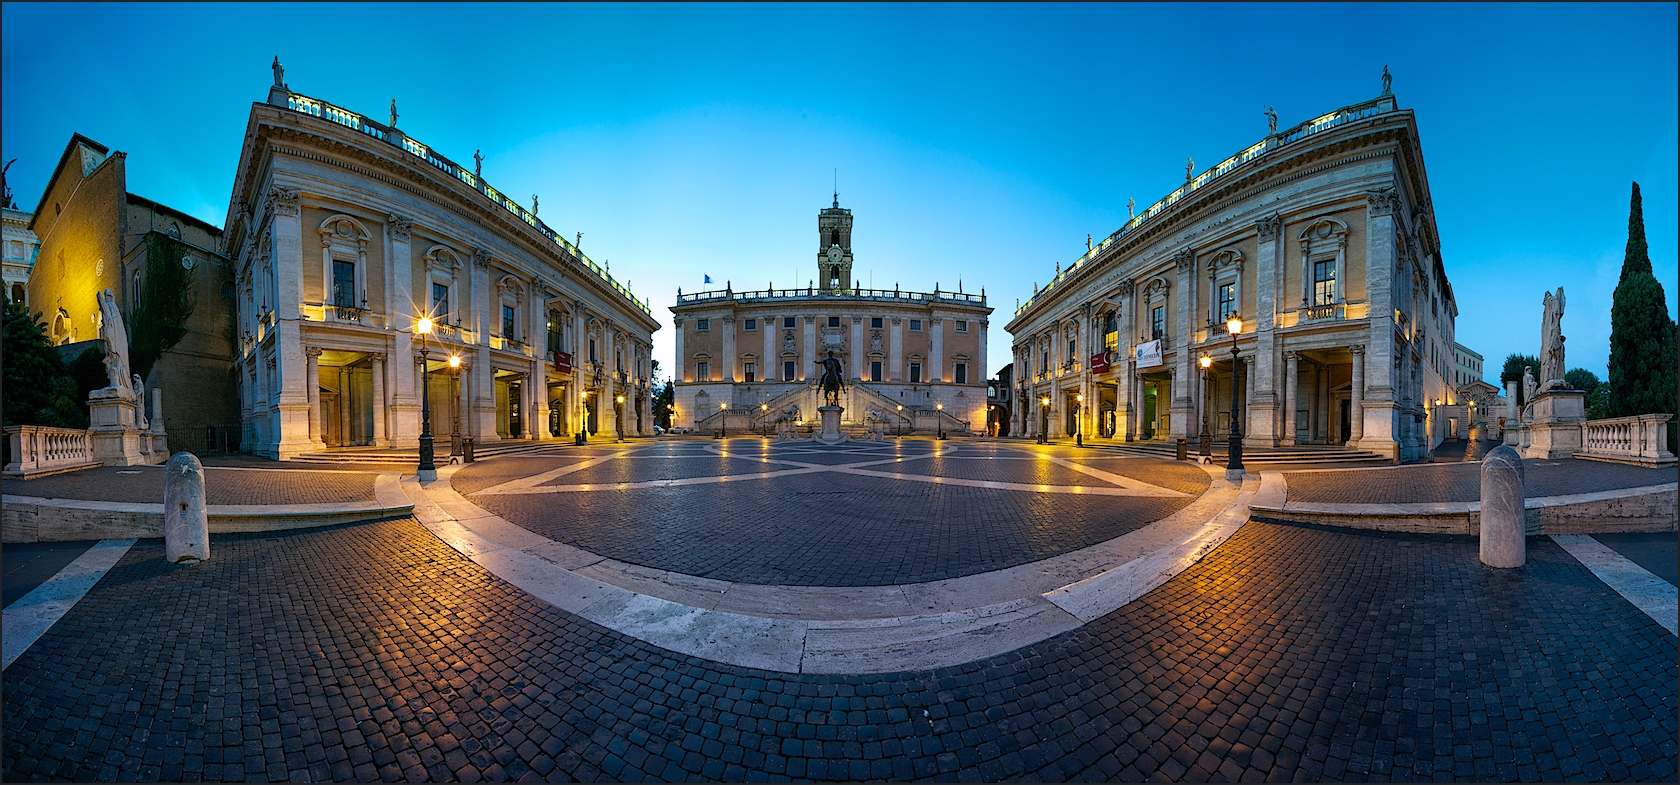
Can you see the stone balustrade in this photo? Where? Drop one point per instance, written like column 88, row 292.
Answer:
column 1641, row 439
column 39, row 450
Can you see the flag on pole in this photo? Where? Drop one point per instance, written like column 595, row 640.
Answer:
column 708, row 279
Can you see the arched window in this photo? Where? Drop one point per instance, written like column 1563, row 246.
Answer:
column 834, row 237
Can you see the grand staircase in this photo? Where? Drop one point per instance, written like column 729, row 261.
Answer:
column 386, row 455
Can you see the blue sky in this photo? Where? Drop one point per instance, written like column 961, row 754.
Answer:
column 980, row 142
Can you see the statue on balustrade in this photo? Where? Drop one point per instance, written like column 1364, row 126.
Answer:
column 1271, row 119
column 1388, row 80
column 1551, row 342
column 279, row 73
column 116, row 349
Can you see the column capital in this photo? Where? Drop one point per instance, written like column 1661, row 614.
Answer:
column 312, row 351
column 1357, row 348
column 398, row 227
column 378, row 357
column 1291, row 356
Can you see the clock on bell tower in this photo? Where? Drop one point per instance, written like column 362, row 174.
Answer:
column 834, row 248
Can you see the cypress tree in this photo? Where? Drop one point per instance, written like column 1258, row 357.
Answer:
column 1637, row 257
column 1643, row 340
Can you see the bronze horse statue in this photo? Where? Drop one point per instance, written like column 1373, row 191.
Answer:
column 833, row 381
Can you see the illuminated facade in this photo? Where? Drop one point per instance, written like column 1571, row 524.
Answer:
column 21, row 247
column 911, row 358
column 1322, row 239
column 94, row 235
column 345, row 231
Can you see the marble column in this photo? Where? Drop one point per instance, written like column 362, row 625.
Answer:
column 312, row 373
column 1291, row 374
column 379, row 408
column 1356, row 417
column 343, row 406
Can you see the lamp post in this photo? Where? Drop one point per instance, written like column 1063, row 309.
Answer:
column 1043, row 419
column 723, row 429
column 764, row 419
column 583, row 419
column 901, row 421
column 1234, row 467
column 618, row 417
column 1078, row 420
column 1207, row 430
column 428, row 469
column 455, row 405
column 939, row 418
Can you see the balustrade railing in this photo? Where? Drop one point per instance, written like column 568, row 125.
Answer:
column 1315, row 313
column 1340, row 117
column 38, row 449
column 318, row 108
column 808, row 292
column 1642, row 438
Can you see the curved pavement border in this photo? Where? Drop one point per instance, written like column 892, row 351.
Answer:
column 855, row 630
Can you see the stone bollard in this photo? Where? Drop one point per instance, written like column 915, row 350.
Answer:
column 1502, row 509
column 186, row 526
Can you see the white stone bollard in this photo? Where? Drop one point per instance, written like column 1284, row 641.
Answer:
column 186, row 525
column 1502, row 509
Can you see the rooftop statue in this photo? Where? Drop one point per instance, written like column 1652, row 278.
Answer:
column 1388, row 80
column 279, row 72
column 393, row 113
column 1271, row 119
column 478, row 164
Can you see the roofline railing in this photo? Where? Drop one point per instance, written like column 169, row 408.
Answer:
column 315, row 107
column 895, row 295
column 1382, row 104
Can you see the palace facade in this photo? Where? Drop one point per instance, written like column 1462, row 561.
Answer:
column 915, row 360
column 345, row 231
column 1322, row 239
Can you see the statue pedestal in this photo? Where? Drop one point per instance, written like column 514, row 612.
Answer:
column 1555, row 431
column 830, row 433
column 116, row 441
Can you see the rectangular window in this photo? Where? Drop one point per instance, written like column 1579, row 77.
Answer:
column 915, row 373
column 593, row 356
column 440, row 301
column 834, row 321
column 962, row 325
column 875, row 370
column 344, row 284
column 962, row 373
column 751, row 371
column 1044, row 366
column 787, row 370
column 1157, row 322
column 787, row 321
column 702, row 325
column 1227, row 301
column 749, row 325
column 507, row 322
column 915, row 325
column 874, row 322
column 703, row 371
column 554, row 344
column 1072, row 355
column 1324, row 282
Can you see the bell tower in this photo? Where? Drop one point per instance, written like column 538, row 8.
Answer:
column 834, row 248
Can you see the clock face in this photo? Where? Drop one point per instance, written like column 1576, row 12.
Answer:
column 834, row 253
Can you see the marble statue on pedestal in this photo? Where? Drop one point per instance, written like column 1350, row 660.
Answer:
column 1551, row 342
column 116, row 349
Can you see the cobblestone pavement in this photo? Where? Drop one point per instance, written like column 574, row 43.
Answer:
column 372, row 651
column 1461, row 482
column 25, row 565
column 831, row 528
column 144, row 484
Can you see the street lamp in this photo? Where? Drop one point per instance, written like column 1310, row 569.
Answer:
column 1078, row 421
column 1043, row 419
column 428, row 469
column 939, row 418
column 455, row 405
column 723, row 430
column 1207, row 431
column 618, row 418
column 901, row 421
column 1234, row 467
column 764, row 419
column 583, row 419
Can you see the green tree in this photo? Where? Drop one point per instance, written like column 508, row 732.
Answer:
column 1514, row 364
column 37, row 390
column 1637, row 258
column 662, row 404
column 159, row 321
column 1582, row 379
column 1642, row 348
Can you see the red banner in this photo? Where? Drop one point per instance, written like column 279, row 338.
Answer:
column 563, row 362
column 1099, row 362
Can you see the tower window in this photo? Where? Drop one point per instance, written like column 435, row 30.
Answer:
column 834, row 237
